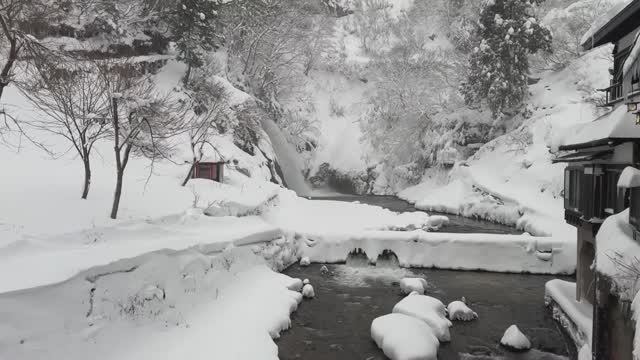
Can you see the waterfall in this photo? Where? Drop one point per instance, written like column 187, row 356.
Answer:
column 288, row 159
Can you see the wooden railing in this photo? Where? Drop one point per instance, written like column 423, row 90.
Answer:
column 613, row 94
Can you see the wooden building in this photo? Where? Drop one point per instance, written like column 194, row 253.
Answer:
column 212, row 170
column 597, row 153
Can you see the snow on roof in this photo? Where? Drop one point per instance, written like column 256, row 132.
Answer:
column 629, row 178
column 633, row 57
column 600, row 22
column 618, row 124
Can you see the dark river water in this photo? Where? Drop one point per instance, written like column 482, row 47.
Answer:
column 336, row 324
column 457, row 224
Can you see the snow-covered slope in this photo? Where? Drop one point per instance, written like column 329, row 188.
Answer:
column 512, row 179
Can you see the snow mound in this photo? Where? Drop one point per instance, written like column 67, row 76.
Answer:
column 437, row 221
column 458, row 310
column 407, row 285
column 295, row 285
column 402, row 337
column 513, row 338
column 428, row 309
column 629, row 178
column 305, row 261
column 307, row 291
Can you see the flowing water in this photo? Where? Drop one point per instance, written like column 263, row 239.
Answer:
column 336, row 324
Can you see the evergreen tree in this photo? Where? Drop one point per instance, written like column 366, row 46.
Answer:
column 194, row 26
column 506, row 34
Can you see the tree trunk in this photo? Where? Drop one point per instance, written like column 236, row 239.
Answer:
column 13, row 55
column 186, row 179
column 87, row 178
column 117, row 194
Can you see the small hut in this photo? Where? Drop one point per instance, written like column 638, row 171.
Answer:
column 210, row 166
column 212, row 170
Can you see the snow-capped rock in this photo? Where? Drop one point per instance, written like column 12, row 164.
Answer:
column 307, row 291
column 435, row 222
column 428, row 309
column 324, row 270
column 305, row 261
column 305, row 281
column 402, row 337
column 513, row 338
column 295, row 285
column 458, row 310
column 407, row 285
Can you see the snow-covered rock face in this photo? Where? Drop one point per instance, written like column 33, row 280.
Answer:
column 428, row 309
column 419, row 285
column 513, row 338
column 458, row 310
column 308, row 292
column 402, row 337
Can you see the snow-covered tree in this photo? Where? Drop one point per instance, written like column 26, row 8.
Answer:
column 499, row 67
column 194, row 28
column 568, row 23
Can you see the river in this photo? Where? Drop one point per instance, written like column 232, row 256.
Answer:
column 336, row 324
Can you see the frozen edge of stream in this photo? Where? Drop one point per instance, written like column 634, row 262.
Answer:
column 453, row 251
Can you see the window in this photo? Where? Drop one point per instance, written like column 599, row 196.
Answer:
column 572, row 184
column 611, row 194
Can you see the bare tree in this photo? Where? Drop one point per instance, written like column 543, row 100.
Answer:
column 11, row 11
column 142, row 121
column 72, row 98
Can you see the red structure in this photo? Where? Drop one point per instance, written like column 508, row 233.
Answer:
column 209, row 170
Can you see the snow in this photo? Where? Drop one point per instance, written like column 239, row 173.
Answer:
column 288, row 158
column 585, row 353
column 308, row 292
column 458, row 310
column 629, row 178
column 615, row 246
column 305, row 261
column 617, row 124
column 527, row 191
column 514, row 338
column 428, row 309
column 580, row 314
column 403, row 337
column 408, row 285
column 516, row 253
column 164, row 305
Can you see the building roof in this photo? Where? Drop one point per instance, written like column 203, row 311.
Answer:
column 616, row 126
column 580, row 156
column 617, row 22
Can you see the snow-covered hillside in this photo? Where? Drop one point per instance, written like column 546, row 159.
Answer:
column 512, row 179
